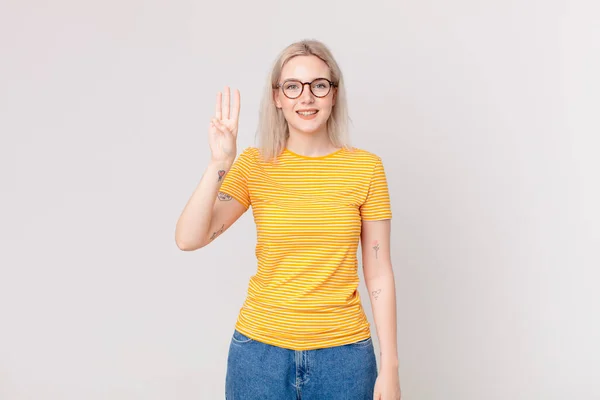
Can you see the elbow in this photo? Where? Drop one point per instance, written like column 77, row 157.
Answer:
column 188, row 245
column 184, row 246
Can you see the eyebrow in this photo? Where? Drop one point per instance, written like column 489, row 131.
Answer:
column 298, row 79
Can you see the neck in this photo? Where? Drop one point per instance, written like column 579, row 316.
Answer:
column 312, row 144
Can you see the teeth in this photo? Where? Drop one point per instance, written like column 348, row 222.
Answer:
column 307, row 112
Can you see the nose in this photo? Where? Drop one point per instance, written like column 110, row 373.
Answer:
column 306, row 95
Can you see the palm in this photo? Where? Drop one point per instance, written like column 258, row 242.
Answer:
column 222, row 133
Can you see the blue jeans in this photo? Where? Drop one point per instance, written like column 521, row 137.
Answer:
column 259, row 371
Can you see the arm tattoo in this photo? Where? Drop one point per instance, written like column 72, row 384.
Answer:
column 221, row 175
column 216, row 233
column 376, row 293
column 376, row 247
column 224, row 196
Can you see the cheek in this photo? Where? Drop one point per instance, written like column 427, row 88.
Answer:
column 285, row 104
column 327, row 108
column 288, row 107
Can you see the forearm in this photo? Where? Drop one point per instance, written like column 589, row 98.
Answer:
column 192, row 227
column 382, row 292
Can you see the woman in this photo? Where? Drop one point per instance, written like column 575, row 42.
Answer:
column 302, row 331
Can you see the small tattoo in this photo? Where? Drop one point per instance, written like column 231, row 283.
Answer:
column 375, row 293
column 224, row 196
column 217, row 233
column 221, row 175
column 376, row 248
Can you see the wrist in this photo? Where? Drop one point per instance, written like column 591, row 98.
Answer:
column 221, row 164
column 389, row 362
column 389, row 365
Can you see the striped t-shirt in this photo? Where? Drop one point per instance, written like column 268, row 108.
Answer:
column 308, row 213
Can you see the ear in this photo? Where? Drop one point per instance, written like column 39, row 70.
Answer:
column 334, row 97
column 276, row 99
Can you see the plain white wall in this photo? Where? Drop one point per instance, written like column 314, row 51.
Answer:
column 484, row 112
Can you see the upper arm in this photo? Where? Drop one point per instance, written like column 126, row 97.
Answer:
column 376, row 214
column 375, row 246
column 225, row 212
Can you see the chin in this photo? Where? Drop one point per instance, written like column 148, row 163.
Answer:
column 308, row 129
column 309, row 126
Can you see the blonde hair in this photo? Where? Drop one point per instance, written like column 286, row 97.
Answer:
column 273, row 130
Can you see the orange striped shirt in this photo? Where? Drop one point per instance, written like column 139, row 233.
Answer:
column 308, row 213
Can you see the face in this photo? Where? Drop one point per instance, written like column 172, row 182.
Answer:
column 305, row 69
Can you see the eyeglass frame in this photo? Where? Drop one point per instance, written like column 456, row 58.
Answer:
column 280, row 85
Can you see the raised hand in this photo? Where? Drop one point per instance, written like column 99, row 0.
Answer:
column 223, row 129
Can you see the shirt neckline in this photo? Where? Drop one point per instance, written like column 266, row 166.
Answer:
column 313, row 157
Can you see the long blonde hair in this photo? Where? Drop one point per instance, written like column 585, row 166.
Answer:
column 273, row 130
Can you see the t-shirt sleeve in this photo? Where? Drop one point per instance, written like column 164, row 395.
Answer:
column 235, row 182
column 377, row 204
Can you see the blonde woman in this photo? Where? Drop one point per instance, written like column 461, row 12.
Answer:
column 302, row 331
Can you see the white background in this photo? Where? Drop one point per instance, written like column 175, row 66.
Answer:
column 485, row 114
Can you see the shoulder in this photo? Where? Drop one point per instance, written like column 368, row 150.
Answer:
column 250, row 151
column 249, row 155
column 363, row 156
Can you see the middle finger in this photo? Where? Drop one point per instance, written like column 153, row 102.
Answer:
column 226, row 103
column 218, row 107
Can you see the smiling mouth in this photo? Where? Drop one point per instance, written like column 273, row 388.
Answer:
column 307, row 113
